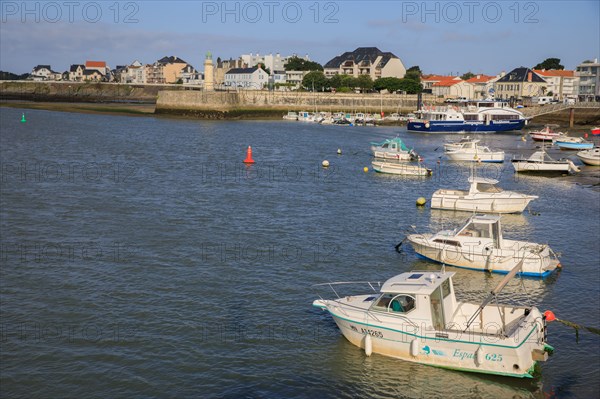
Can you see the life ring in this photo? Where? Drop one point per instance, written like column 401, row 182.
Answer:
column 426, row 124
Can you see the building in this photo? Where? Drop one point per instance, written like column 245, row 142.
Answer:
column 429, row 80
column 246, row 78
column 223, row 66
column 93, row 75
column 452, row 88
column 366, row 61
column 135, row 73
column 483, row 86
column 76, row 72
column 519, row 83
column 165, row 70
column 294, row 79
column 562, row 84
column 588, row 73
column 44, row 72
column 99, row 66
column 271, row 62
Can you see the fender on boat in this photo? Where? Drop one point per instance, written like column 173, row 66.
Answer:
column 368, row 345
column 479, row 356
column 414, row 347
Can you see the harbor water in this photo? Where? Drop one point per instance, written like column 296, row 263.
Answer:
column 141, row 258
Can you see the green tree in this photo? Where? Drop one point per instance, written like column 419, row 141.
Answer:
column 364, row 83
column 410, row 86
column 467, row 75
column 391, row 84
column 262, row 66
column 335, row 82
column 299, row 64
column 550, row 63
column 414, row 73
column 316, row 80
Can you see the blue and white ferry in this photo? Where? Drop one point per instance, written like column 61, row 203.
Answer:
column 486, row 116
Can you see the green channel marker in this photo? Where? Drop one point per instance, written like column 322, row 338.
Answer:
column 23, row 118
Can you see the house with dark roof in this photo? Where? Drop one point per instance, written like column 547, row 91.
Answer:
column 366, row 61
column 44, row 72
column 76, row 72
column 93, row 75
column 247, row 78
column 519, row 83
column 166, row 70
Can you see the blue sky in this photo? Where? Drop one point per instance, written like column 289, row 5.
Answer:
column 440, row 36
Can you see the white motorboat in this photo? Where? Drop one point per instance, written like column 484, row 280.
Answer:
column 471, row 151
column 291, row 116
column 541, row 162
column 483, row 196
column 304, row 116
column 393, row 149
column 590, row 157
column 401, row 168
column 546, row 134
column 416, row 317
column 479, row 245
column 457, row 145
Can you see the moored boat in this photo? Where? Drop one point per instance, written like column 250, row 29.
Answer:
column 416, row 317
column 483, row 196
column 455, row 145
column 401, row 168
column 546, row 134
column 471, row 151
column 487, row 116
column 573, row 143
column 393, row 149
column 480, row 245
column 590, row 157
column 596, row 131
column 291, row 116
column 541, row 162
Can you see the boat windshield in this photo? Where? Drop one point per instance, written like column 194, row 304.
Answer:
column 395, row 303
column 488, row 188
column 474, row 229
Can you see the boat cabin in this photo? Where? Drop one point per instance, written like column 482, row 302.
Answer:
column 418, row 296
column 482, row 185
column 394, row 145
column 483, row 226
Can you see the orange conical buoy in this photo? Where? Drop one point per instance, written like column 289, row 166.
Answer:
column 249, row 156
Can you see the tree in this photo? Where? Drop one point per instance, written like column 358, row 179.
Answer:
column 298, row 64
column 413, row 73
column 550, row 63
column 315, row 80
column 390, row 84
column 262, row 66
column 410, row 86
column 467, row 76
column 364, row 82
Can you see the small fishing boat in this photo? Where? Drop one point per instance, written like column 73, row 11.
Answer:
column 541, row 162
column 483, row 196
column 291, row 116
column 596, row 131
column 480, row 245
column 590, row 157
column 546, row 134
column 393, row 149
column 304, row 116
column 456, row 145
column 471, row 151
column 573, row 143
column 401, row 168
column 416, row 317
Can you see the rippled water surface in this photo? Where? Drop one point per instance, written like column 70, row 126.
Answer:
column 141, row 258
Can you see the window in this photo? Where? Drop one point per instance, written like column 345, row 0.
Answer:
column 395, row 303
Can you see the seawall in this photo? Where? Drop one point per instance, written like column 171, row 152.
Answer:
column 252, row 104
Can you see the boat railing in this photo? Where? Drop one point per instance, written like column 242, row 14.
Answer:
column 340, row 283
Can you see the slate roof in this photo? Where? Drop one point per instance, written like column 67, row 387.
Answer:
column 241, row 70
column 520, row 75
column 75, row 66
column 171, row 60
column 39, row 67
column 368, row 54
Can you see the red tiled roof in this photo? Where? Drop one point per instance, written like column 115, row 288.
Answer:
column 437, row 78
column 554, row 72
column 95, row 64
column 447, row 83
column 480, row 79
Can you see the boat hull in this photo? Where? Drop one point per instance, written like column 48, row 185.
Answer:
column 590, row 157
column 563, row 145
column 494, row 157
column 515, row 203
column 536, row 262
column 538, row 167
column 452, row 349
column 406, row 169
column 400, row 156
column 464, row 127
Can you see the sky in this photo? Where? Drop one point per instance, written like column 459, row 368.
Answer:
column 442, row 37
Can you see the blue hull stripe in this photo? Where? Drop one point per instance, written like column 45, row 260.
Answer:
column 460, row 126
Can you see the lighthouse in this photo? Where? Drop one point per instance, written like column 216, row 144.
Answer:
column 209, row 78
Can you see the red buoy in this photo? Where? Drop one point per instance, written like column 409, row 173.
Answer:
column 249, row 156
column 549, row 316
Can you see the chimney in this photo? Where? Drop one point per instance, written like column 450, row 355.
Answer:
column 529, row 76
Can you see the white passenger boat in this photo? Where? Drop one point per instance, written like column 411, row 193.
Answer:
column 401, row 168
column 393, row 149
column 416, row 317
column 541, row 162
column 590, row 157
column 479, row 245
column 483, row 196
column 471, row 151
column 291, row 116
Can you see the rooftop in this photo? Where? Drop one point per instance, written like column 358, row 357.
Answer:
column 368, row 54
column 422, row 282
column 521, row 74
column 555, row 72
